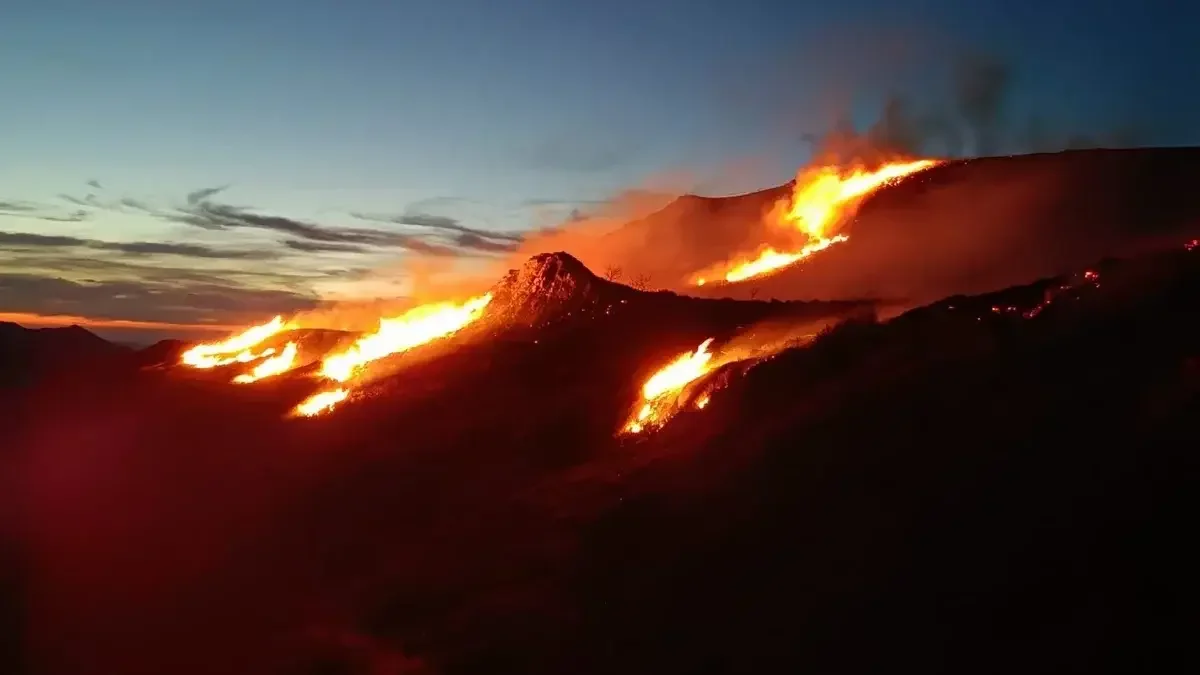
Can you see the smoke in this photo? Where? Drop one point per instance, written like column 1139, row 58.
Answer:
column 658, row 236
column 972, row 114
column 927, row 243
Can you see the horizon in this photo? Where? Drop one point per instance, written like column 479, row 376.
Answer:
column 333, row 151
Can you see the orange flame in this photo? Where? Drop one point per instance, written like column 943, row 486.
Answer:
column 414, row 328
column 321, row 402
column 659, row 393
column 271, row 367
column 822, row 198
column 237, row 349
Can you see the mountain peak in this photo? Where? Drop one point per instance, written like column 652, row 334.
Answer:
column 546, row 285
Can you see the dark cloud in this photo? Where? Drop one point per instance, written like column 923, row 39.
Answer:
column 175, row 301
column 478, row 243
column 87, row 200
column 418, row 219
column 203, row 212
column 204, row 193
column 320, row 247
column 17, row 207
column 62, row 262
column 37, row 211
column 450, row 230
column 21, row 240
column 95, row 184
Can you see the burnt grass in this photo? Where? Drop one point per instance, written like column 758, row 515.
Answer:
column 954, row 490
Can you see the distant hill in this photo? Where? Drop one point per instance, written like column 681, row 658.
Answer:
column 27, row 354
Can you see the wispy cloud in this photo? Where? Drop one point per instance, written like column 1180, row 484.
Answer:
column 206, row 282
column 25, row 209
column 322, row 247
column 26, row 240
column 202, row 210
column 177, row 302
column 450, row 230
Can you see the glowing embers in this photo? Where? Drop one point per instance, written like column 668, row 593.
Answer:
column 662, row 395
column 1052, row 295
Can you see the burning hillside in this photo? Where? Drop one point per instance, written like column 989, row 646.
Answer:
column 823, row 198
column 552, row 289
column 984, row 447
column 556, row 288
column 960, row 226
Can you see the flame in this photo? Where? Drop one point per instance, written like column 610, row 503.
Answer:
column 237, row 349
column 272, row 366
column 414, row 328
column 658, row 402
column 321, row 402
column 822, row 198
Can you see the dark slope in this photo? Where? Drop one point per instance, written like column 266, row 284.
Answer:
column 958, row 490
column 29, row 354
column 963, row 227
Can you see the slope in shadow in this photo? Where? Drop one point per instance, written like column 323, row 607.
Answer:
column 956, row 490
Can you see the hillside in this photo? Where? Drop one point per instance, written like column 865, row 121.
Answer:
column 28, row 354
column 966, row 226
column 984, row 484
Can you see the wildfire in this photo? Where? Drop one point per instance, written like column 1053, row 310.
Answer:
column 322, row 402
column 237, row 349
column 660, row 392
column 416, row 327
column 275, row 365
column 1052, row 295
column 822, row 198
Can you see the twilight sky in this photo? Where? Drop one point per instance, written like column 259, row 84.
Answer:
column 212, row 164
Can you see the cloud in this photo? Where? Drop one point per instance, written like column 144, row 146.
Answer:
column 204, row 212
column 433, row 222
column 204, row 193
column 25, row 240
column 162, row 301
column 427, row 234
column 319, row 247
column 24, row 209
column 450, row 230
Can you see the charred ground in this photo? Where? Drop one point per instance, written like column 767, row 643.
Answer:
column 960, row 489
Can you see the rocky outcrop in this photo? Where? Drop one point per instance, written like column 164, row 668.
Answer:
column 547, row 287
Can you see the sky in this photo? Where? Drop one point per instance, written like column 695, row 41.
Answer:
column 175, row 166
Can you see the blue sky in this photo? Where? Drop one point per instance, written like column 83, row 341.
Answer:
column 497, row 115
